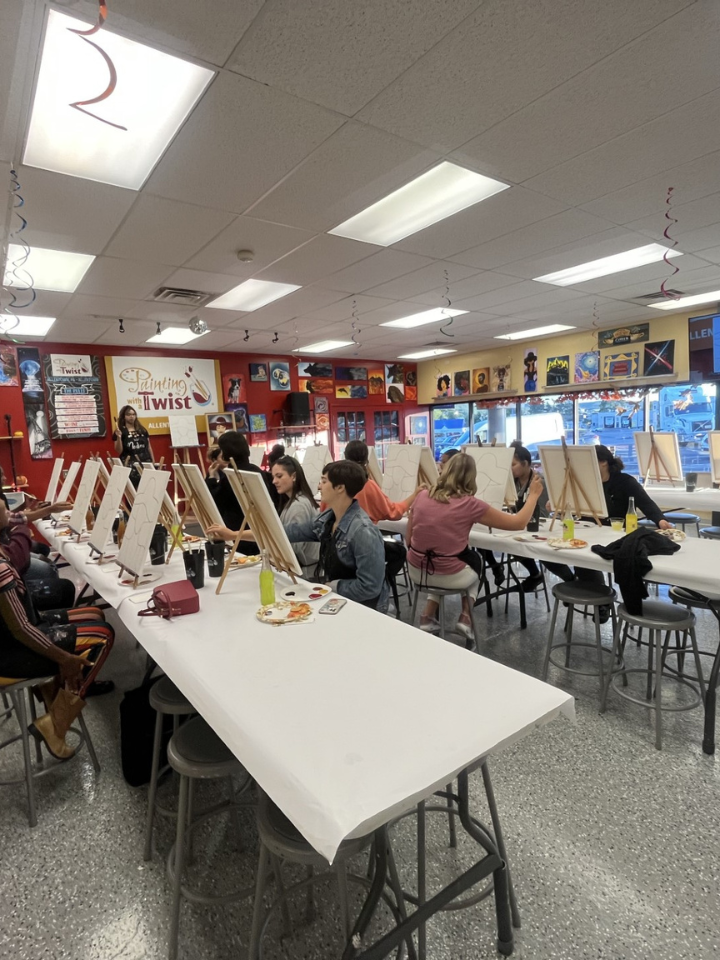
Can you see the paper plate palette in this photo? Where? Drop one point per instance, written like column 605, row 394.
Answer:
column 305, row 591
column 284, row 612
column 557, row 543
column 239, row 561
column 677, row 535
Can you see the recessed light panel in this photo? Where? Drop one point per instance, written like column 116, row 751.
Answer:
column 535, row 332
column 617, row 263
column 11, row 325
column 175, row 335
column 155, row 92
column 691, row 301
column 49, row 269
column 424, row 354
column 323, row 346
column 252, row 294
column 436, row 194
column 427, row 316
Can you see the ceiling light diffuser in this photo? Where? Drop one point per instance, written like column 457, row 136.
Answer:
column 175, row 335
column 323, row 346
column 252, row 294
column 436, row 194
column 155, row 92
column 535, row 332
column 691, row 301
column 607, row 265
column 424, row 354
column 11, row 325
column 49, row 269
column 427, row 316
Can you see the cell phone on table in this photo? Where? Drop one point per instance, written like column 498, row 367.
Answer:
column 332, row 606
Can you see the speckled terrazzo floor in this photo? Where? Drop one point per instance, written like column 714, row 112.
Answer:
column 614, row 846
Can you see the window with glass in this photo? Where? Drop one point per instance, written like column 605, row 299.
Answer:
column 387, row 431
column 688, row 412
column 350, row 426
column 613, row 423
column 451, row 427
column 543, row 420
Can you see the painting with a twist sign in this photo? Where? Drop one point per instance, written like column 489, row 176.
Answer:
column 157, row 387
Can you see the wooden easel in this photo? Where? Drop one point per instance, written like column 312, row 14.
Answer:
column 573, row 503
column 657, row 461
column 193, row 501
column 168, row 516
column 184, row 455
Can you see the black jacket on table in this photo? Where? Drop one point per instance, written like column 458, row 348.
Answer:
column 618, row 490
column 629, row 555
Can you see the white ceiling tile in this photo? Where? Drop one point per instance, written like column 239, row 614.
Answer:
column 499, row 60
column 238, row 142
column 342, row 54
column 486, row 302
column 689, row 216
column 72, row 330
column 132, row 279
column 47, row 303
column 317, row 259
column 207, row 31
column 267, row 241
column 343, row 309
column 287, row 308
column 165, row 231
column 12, row 61
column 381, row 267
column 136, row 334
column 683, row 134
column 110, row 308
column 66, row 213
column 665, row 68
column 354, row 168
column 470, row 287
column 217, row 340
column 506, row 211
column 420, row 281
column 642, row 279
column 694, row 281
column 712, row 254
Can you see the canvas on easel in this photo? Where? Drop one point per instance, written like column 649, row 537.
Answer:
column 141, row 526
column 714, row 447
column 658, row 456
column 54, row 480
column 574, row 484
column 67, row 485
column 313, row 462
column 374, row 466
column 402, row 467
column 83, row 497
column 427, row 468
column 494, row 474
column 112, row 498
column 262, row 519
column 197, row 496
column 183, row 431
column 257, row 455
column 169, row 518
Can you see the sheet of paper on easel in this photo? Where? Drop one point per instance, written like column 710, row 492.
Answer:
column 583, row 496
column 85, row 491
column 494, row 474
column 143, row 518
column 183, row 431
column 658, row 456
column 109, row 506
column 54, row 480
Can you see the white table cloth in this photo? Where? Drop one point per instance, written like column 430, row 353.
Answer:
column 701, row 500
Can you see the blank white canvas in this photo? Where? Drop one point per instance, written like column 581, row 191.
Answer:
column 494, row 474
column 109, row 507
column 143, row 518
column 193, row 485
column 374, row 466
column 183, row 431
column 714, row 440
column 402, row 462
column 313, row 462
column 257, row 455
column 68, row 481
column 668, row 457
column 428, row 467
column 54, row 480
column 84, row 495
column 587, row 472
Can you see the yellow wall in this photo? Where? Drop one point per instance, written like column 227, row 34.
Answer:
column 674, row 327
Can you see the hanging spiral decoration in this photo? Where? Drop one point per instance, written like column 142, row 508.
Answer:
column 355, row 328
column 21, row 280
column 673, row 243
column 112, row 82
column 448, row 323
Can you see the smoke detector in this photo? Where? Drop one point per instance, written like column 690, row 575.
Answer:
column 245, row 256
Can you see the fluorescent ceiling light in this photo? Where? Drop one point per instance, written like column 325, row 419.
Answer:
column 323, row 346
column 436, row 194
column 155, row 93
column 252, row 294
column 49, row 269
column 427, row 316
column 607, row 265
column 424, row 354
column 535, row 332
column 11, row 325
column 175, row 335
column 692, row 301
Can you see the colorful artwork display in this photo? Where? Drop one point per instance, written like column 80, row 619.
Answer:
column 323, row 386
column 411, row 393
column 33, row 395
column 74, row 396
column 376, row 382
column 501, row 378
column 587, row 367
column 258, row 423
column 619, row 336
column 481, row 380
column 621, row 366
column 258, row 373
column 443, row 385
column 8, row 366
column 321, row 405
column 530, row 369
column 557, row 371
column 279, row 376
column 351, row 391
column 219, row 423
column 659, row 358
column 314, row 369
column 242, row 418
column 234, row 390
column 395, row 392
column 351, row 373
column 461, row 383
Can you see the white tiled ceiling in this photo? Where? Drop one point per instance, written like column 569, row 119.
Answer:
column 589, row 111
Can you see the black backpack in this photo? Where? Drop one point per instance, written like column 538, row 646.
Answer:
column 137, row 730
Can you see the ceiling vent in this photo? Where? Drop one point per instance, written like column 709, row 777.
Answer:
column 182, row 298
column 659, row 295
column 438, row 343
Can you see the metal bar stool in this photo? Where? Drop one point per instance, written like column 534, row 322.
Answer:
column 580, row 594
column 442, row 592
column 18, row 691
column 684, row 520
column 166, row 700
column 197, row 753
column 656, row 617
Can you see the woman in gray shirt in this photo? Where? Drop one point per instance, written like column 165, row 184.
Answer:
column 296, row 505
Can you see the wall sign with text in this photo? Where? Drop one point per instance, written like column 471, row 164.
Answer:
column 74, row 396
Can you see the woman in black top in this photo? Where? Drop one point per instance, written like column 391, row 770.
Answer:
column 132, row 441
column 234, row 446
column 618, row 487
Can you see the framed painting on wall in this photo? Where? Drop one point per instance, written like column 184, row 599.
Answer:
column 621, row 366
column 219, row 423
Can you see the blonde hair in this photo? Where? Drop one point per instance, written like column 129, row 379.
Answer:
column 458, row 479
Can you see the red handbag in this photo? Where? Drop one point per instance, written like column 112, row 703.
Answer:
column 172, row 600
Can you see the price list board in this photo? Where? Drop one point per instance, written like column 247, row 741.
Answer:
column 74, row 396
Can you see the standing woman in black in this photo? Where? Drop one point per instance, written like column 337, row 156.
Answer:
column 132, row 440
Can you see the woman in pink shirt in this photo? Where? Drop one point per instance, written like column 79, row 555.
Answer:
column 438, row 529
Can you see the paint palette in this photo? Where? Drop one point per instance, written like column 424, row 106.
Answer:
column 305, row 591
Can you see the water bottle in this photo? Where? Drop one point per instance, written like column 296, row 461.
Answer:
column 631, row 520
column 267, row 583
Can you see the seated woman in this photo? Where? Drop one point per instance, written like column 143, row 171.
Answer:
column 523, row 474
column 440, row 523
column 233, row 446
column 28, row 651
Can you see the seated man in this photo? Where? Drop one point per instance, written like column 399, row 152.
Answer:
column 352, row 552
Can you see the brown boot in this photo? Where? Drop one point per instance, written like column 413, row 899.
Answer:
column 43, row 730
column 53, row 726
column 46, row 693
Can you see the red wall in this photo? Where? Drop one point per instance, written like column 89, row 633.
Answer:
column 260, row 399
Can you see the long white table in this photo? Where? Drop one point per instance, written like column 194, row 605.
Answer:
column 333, row 718
column 701, row 500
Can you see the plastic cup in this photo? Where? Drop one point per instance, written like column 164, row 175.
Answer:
column 617, row 523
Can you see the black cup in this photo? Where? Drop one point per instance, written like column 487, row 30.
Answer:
column 690, row 482
column 534, row 521
column 158, row 545
column 215, row 550
column 195, row 567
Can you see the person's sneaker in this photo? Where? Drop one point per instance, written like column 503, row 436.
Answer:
column 530, row 584
column 604, row 614
column 498, row 574
column 429, row 625
column 464, row 627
